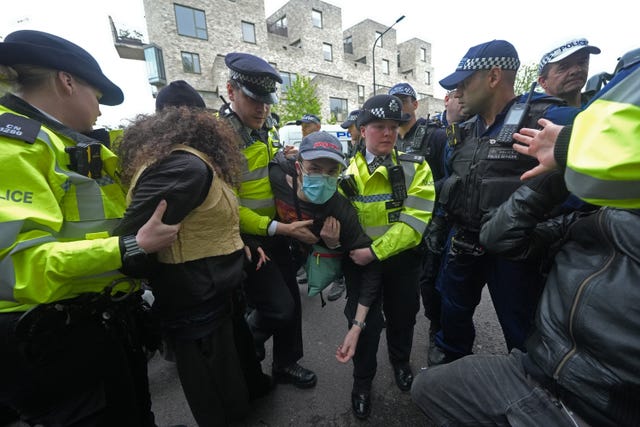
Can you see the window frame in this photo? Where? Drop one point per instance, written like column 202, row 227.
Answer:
column 317, row 12
column 194, row 14
column 243, row 24
column 193, row 55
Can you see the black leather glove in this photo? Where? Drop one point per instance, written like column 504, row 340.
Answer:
column 436, row 234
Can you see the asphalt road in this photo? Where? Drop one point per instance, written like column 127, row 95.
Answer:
column 328, row 404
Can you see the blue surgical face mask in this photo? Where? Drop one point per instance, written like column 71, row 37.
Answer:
column 319, row 188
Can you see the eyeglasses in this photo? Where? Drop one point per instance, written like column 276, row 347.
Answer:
column 318, row 170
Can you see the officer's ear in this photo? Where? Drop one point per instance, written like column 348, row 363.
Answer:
column 65, row 81
column 230, row 93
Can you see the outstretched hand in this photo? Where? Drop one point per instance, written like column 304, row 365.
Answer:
column 539, row 144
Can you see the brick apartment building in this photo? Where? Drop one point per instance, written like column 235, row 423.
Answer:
column 189, row 38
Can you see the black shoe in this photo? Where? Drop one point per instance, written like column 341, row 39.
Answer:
column 361, row 405
column 296, row 375
column 403, row 376
column 336, row 291
column 262, row 386
column 436, row 356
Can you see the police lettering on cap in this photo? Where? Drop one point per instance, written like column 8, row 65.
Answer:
column 564, row 50
column 254, row 75
column 485, row 56
column 308, row 118
column 46, row 50
column 321, row 145
column 351, row 119
column 179, row 93
column 382, row 107
column 403, row 89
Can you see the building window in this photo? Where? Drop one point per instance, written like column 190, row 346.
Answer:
column 427, row 77
column 279, row 27
column 191, row 22
column 338, row 108
column 287, row 80
column 398, row 59
column 191, row 62
column 385, row 66
column 316, row 18
column 348, row 44
column 327, row 51
column 379, row 39
column 248, row 32
column 423, row 54
column 360, row 94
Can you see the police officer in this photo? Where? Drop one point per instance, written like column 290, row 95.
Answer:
column 272, row 291
column 563, row 71
column 69, row 320
column 309, row 123
column 484, row 173
column 354, row 132
column 418, row 135
column 394, row 197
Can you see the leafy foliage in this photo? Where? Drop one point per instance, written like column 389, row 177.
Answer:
column 527, row 74
column 299, row 99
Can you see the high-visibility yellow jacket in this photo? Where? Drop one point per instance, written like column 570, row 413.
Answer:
column 603, row 163
column 54, row 223
column 257, row 206
column 394, row 227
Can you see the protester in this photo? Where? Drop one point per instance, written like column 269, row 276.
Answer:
column 71, row 323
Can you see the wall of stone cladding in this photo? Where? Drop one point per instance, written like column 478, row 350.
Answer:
column 338, row 78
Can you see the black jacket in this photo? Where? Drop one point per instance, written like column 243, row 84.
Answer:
column 352, row 236
column 586, row 344
column 189, row 297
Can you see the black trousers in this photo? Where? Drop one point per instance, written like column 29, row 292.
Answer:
column 85, row 375
column 431, row 300
column 274, row 304
column 211, row 376
column 399, row 301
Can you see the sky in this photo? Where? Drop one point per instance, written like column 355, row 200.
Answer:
column 533, row 28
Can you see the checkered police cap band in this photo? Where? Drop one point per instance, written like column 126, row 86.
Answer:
column 389, row 111
column 474, row 64
column 264, row 83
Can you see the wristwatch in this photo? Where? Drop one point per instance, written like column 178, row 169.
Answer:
column 132, row 252
column 362, row 325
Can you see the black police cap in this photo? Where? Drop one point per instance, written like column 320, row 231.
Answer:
column 256, row 77
column 382, row 107
column 49, row 51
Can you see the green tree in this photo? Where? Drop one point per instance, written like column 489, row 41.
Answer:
column 299, row 99
column 527, row 74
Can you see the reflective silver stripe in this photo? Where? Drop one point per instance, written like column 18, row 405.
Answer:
column 594, row 188
column 255, row 174
column 377, row 230
column 409, row 172
column 257, row 203
column 419, row 203
column 7, row 272
column 414, row 223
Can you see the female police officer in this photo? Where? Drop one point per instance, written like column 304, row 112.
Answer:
column 70, row 347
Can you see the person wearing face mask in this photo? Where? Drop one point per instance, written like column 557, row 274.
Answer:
column 306, row 189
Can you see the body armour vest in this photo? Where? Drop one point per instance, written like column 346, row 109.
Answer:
column 211, row 229
column 484, row 174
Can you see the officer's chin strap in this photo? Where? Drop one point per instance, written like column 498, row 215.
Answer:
column 109, row 289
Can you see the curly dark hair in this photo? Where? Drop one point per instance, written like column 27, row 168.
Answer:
column 151, row 138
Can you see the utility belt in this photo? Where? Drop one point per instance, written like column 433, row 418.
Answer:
column 464, row 242
column 45, row 330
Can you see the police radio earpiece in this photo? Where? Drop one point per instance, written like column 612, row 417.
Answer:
column 235, row 121
column 514, row 120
